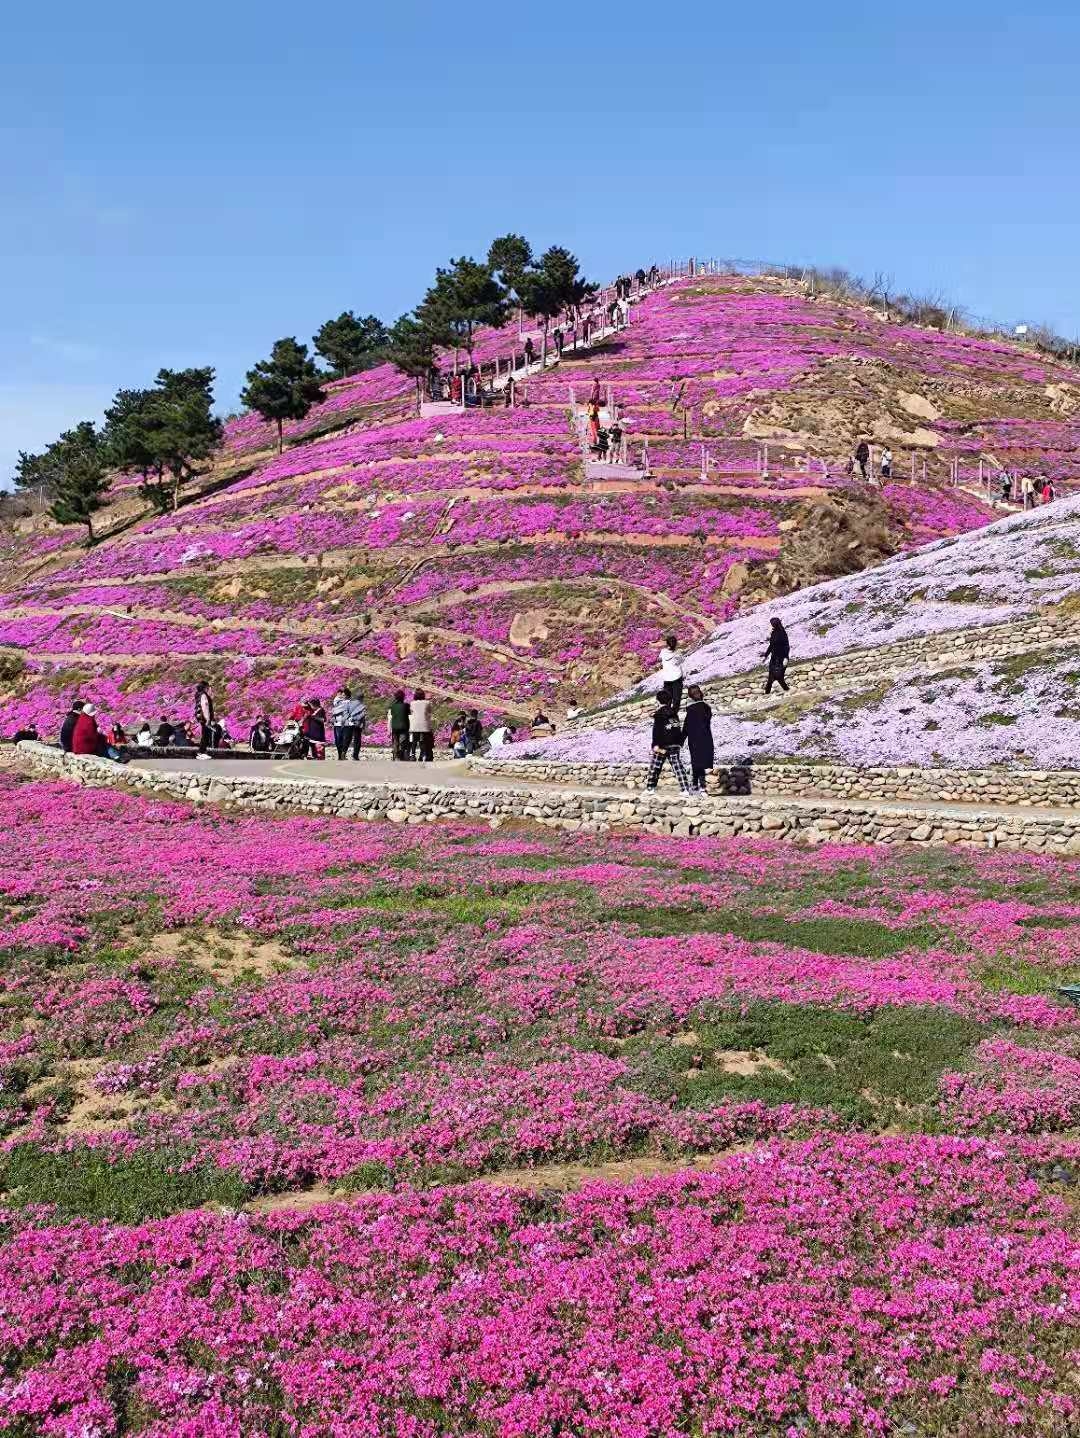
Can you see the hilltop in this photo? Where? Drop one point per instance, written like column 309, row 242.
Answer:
column 467, row 551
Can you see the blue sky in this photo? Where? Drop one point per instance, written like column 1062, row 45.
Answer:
column 185, row 184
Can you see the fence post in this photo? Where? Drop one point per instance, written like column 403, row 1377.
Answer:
column 913, row 469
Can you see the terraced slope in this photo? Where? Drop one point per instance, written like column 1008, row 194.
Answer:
column 468, row 552
column 965, row 653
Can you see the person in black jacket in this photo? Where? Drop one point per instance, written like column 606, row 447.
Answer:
column 776, row 652
column 667, row 738
column 67, row 728
column 697, row 731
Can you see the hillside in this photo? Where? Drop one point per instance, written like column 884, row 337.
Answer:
column 965, row 653
column 467, row 552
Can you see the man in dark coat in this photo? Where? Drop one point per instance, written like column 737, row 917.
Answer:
column 697, row 731
column 776, row 652
column 67, row 728
column 667, row 738
column 862, row 457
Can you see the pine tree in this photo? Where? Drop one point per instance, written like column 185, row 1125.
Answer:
column 462, row 298
column 510, row 257
column 285, row 386
column 349, row 345
column 552, row 285
column 164, row 432
column 410, row 348
column 81, row 482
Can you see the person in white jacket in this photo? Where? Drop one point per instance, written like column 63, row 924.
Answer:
column 671, row 672
column 420, row 731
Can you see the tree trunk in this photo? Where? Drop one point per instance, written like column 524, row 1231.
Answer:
column 543, row 347
column 90, row 528
column 280, row 440
column 419, row 395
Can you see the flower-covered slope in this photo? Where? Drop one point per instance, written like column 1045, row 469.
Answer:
column 964, row 653
column 467, row 553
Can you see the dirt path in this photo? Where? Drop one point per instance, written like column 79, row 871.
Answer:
column 372, row 667
column 299, row 628
column 557, row 1177
column 334, row 559
column 483, row 494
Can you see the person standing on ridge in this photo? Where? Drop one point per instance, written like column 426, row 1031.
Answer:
column 671, row 673
column 777, row 652
column 862, row 457
column 667, row 739
column 697, row 731
column 204, row 717
column 886, row 464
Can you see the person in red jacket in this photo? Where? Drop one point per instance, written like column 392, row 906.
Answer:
column 86, row 738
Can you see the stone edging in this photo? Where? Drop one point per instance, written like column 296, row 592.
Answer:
column 801, row 821
column 1037, row 788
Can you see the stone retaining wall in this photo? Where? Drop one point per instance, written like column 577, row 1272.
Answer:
column 802, row 821
column 1035, row 788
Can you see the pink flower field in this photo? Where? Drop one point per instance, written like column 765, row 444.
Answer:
column 310, row 1126
column 276, row 570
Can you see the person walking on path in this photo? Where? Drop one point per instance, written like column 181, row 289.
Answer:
column 339, row 718
column 356, row 722
column 777, row 652
column 557, row 336
column 1027, row 491
column 667, row 739
column 530, row 352
column 671, row 672
column 886, row 464
column 67, row 728
column 862, row 457
column 697, row 731
column 1006, row 487
column 420, row 733
column 204, row 717
column 397, row 721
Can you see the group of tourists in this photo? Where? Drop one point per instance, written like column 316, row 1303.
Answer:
column 694, row 729
column 1027, row 490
